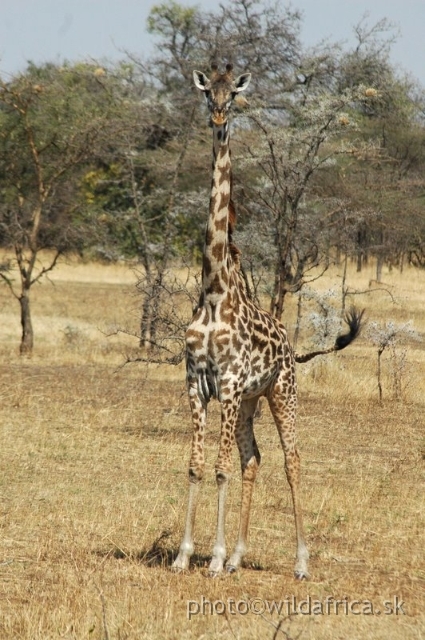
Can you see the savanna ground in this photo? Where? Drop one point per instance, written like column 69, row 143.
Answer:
column 94, row 480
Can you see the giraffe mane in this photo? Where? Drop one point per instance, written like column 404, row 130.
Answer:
column 234, row 250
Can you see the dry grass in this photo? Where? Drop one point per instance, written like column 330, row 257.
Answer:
column 93, row 473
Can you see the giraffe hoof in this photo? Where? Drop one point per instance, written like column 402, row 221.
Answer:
column 180, row 565
column 301, row 575
column 230, row 568
column 175, row 569
column 214, row 574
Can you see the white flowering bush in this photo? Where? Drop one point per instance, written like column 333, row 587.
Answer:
column 394, row 338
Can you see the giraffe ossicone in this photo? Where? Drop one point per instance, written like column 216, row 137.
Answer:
column 236, row 352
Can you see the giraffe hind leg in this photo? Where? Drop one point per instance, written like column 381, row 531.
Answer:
column 250, row 462
column 282, row 402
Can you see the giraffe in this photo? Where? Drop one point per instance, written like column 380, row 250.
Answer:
column 236, row 352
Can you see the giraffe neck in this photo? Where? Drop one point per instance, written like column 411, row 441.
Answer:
column 216, row 259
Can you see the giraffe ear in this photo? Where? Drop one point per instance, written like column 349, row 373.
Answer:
column 242, row 82
column 200, row 80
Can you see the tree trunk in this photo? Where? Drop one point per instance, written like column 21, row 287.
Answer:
column 279, row 291
column 278, row 312
column 379, row 265
column 27, row 340
column 338, row 256
column 298, row 323
column 155, row 307
column 344, row 289
column 145, row 322
column 359, row 260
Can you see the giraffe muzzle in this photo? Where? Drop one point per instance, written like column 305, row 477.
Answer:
column 218, row 117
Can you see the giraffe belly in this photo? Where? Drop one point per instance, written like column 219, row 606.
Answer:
column 256, row 385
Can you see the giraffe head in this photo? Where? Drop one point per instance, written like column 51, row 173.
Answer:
column 220, row 90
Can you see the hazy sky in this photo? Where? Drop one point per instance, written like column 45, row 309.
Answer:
column 58, row 30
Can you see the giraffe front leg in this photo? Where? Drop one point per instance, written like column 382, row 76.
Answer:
column 181, row 563
column 219, row 549
column 223, row 471
column 250, row 462
column 196, row 472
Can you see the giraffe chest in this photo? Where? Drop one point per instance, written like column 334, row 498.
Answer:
column 217, row 341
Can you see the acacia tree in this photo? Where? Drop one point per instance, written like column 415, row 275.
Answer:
column 175, row 165
column 265, row 41
column 347, row 115
column 288, row 157
column 304, row 133
column 145, row 209
column 303, row 107
column 50, row 122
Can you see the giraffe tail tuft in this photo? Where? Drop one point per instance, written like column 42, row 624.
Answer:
column 353, row 318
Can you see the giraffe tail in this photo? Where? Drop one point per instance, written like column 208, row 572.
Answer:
column 353, row 318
